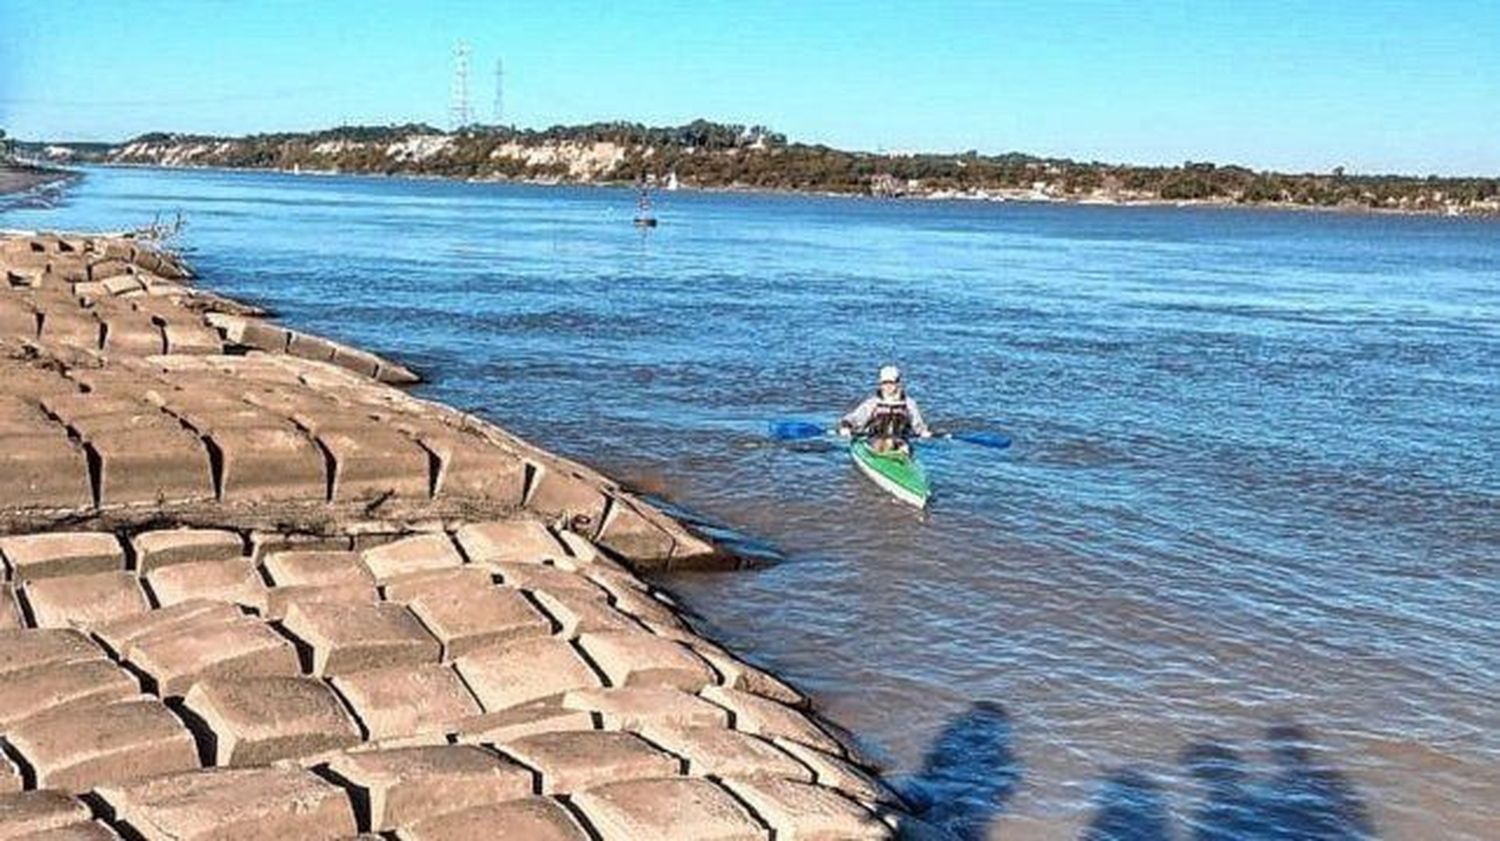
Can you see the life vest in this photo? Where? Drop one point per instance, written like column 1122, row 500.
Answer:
column 891, row 419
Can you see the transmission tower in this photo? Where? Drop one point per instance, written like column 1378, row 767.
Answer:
column 499, row 92
column 459, row 114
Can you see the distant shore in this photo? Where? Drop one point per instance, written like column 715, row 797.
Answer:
column 712, row 156
column 17, row 178
column 989, row 197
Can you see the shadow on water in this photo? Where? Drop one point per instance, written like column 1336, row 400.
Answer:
column 1131, row 808
column 1297, row 797
column 968, row 775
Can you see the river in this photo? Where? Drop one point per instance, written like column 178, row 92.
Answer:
column 1239, row 573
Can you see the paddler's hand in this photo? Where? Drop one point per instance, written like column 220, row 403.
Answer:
column 844, row 431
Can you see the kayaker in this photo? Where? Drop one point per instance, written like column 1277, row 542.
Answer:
column 888, row 417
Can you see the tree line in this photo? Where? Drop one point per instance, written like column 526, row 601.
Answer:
column 718, row 155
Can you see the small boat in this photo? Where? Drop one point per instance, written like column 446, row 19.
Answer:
column 895, row 471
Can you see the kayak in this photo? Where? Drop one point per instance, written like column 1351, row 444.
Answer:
column 896, row 472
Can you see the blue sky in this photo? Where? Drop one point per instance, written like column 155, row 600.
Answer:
column 1372, row 86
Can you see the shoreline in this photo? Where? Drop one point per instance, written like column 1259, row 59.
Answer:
column 1023, row 198
column 18, row 179
column 229, row 544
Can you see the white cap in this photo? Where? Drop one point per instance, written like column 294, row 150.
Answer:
column 890, row 374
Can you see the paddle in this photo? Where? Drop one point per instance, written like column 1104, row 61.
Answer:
column 796, row 430
column 993, row 440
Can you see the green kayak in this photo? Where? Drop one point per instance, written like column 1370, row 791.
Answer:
column 896, row 472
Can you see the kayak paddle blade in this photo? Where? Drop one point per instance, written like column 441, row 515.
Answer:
column 993, row 440
column 792, row 430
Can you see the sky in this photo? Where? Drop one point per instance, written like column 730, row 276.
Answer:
column 1372, row 86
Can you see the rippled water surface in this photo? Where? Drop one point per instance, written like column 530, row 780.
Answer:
column 1238, row 573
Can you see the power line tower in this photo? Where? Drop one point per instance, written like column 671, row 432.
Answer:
column 499, row 91
column 459, row 114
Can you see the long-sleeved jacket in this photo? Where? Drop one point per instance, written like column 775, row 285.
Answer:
column 862, row 414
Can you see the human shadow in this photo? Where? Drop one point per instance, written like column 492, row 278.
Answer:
column 1130, row 807
column 969, row 773
column 1296, row 797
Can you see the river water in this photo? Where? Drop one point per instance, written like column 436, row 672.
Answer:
column 1240, row 572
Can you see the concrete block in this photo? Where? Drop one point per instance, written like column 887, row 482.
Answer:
column 631, row 535
column 118, row 634
column 10, row 612
column 738, row 674
column 544, row 578
column 411, row 554
column 78, row 748
column 648, row 608
column 520, row 672
column 44, row 471
column 84, row 600
column 807, row 812
column 181, row 654
column 190, row 337
column 643, row 659
column 155, row 549
column 764, row 717
column 831, row 771
column 33, row 556
column 509, row 542
column 27, row 813
column 315, row 348
column 667, row 808
column 411, row 586
column 27, row 649
column 246, row 804
column 279, row 600
column 531, row 818
column 235, row 581
column 360, row 362
column 130, row 333
column 347, row 638
column 719, row 752
column 262, row 543
column 376, row 462
column 572, row 762
column 407, row 700
column 56, row 686
column 152, row 466
column 556, row 493
column 91, row 831
column 471, row 619
column 636, row 707
column 122, row 424
column 316, row 567
column 470, row 467
column 505, row 726
column 407, row 785
column 394, row 373
column 70, row 326
column 579, row 612
column 269, row 464
column 10, row 776
column 262, row 336
column 258, row 721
